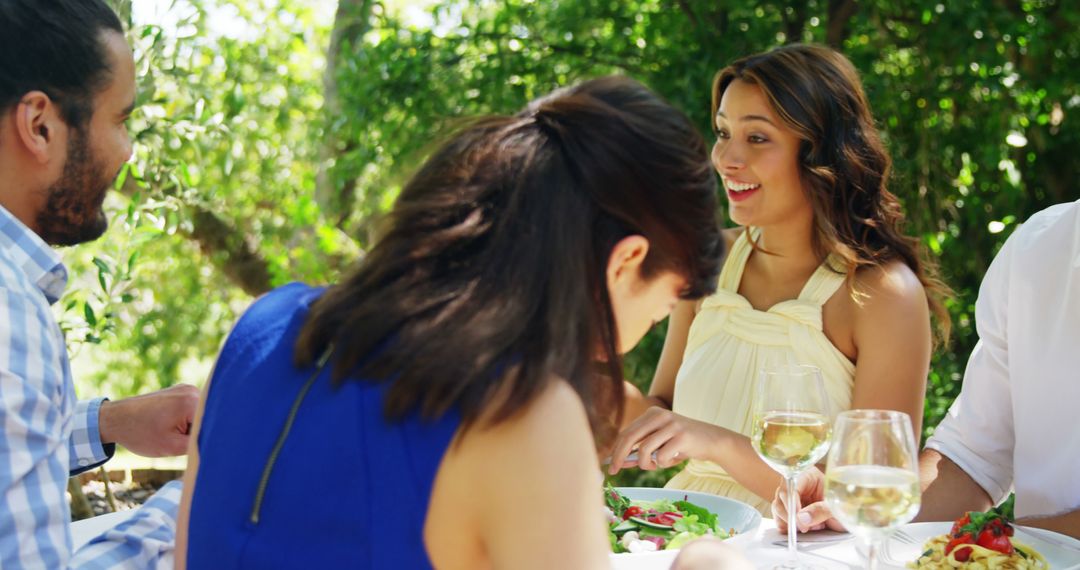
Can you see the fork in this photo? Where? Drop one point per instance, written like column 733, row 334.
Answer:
column 886, row 555
column 904, row 537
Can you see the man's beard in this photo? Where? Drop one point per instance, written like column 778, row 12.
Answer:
column 73, row 211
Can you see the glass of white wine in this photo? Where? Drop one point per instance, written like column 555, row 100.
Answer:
column 872, row 475
column 791, row 428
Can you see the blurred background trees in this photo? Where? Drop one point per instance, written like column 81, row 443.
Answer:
column 272, row 134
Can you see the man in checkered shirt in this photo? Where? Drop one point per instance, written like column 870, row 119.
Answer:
column 67, row 87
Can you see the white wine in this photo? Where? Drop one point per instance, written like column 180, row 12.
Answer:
column 872, row 498
column 791, row 441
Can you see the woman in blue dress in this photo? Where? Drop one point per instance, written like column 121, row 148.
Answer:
column 438, row 407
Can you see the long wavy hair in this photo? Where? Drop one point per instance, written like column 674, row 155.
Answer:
column 843, row 163
column 490, row 280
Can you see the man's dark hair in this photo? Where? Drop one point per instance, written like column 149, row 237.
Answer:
column 55, row 46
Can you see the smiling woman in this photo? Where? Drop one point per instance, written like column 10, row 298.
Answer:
column 819, row 273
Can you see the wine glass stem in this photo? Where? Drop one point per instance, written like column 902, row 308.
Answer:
column 793, row 554
column 872, row 553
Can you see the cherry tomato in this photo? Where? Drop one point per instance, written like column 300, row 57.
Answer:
column 995, row 539
column 632, row 511
column 964, row 538
column 962, row 554
column 960, row 522
column 1001, row 526
column 663, row 519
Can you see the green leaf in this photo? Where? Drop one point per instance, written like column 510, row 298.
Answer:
column 88, row 312
column 102, row 266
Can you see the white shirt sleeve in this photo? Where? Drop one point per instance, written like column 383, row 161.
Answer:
column 977, row 434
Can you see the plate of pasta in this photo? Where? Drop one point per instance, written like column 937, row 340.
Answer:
column 983, row 541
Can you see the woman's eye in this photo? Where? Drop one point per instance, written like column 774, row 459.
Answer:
column 757, row 139
column 722, row 134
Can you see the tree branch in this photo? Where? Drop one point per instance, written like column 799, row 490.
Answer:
column 230, row 249
column 840, row 13
column 689, row 11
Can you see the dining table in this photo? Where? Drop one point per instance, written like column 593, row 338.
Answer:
column 765, row 546
column 827, row 549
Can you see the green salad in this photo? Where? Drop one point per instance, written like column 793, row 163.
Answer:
column 646, row 526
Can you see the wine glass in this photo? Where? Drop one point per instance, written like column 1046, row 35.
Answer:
column 791, row 428
column 872, row 475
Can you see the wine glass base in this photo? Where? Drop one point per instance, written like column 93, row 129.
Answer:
column 797, row 565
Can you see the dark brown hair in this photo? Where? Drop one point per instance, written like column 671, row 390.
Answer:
column 490, row 280
column 58, row 47
column 817, row 93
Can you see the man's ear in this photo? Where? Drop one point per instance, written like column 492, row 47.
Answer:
column 624, row 263
column 37, row 125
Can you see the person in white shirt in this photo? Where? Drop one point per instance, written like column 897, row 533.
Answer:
column 1013, row 426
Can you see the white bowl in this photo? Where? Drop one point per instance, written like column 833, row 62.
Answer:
column 731, row 514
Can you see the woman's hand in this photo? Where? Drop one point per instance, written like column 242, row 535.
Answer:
column 810, row 488
column 671, row 437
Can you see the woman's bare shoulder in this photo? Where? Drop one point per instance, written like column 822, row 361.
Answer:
column 893, row 281
column 888, row 292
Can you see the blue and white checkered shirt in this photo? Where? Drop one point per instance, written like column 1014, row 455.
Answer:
column 45, row 435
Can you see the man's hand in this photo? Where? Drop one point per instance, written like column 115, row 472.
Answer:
column 151, row 425
column 810, row 488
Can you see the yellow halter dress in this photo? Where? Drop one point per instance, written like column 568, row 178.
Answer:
column 728, row 344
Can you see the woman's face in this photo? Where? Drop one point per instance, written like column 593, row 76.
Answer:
column 641, row 303
column 757, row 158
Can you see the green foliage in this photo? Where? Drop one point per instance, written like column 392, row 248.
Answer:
column 977, row 100
column 223, row 133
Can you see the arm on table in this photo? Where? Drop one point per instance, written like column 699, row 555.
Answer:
column 662, row 388
column 948, row 491
column 968, row 463
column 151, row 538
column 1065, row 523
column 676, row 438
column 891, row 334
column 145, row 541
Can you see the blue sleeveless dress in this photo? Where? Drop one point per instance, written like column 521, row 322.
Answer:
column 347, row 490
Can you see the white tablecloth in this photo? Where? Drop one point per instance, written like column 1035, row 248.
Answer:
column 824, row 550
column 82, row 531
column 835, row 551
column 827, row 550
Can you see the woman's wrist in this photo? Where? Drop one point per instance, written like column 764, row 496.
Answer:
column 721, row 441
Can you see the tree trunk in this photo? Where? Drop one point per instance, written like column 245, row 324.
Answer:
column 840, row 13
column 335, row 196
column 796, row 23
